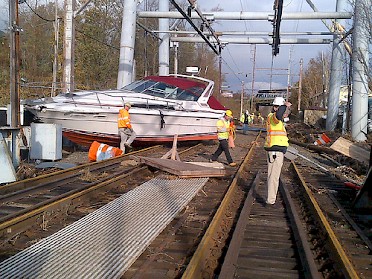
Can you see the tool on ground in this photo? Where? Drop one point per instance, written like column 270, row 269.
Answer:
column 292, row 153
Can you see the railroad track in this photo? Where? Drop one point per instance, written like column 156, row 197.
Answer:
column 272, row 242
column 197, row 242
column 35, row 200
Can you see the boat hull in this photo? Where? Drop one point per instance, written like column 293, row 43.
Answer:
column 150, row 126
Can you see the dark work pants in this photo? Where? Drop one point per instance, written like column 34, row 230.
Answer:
column 223, row 146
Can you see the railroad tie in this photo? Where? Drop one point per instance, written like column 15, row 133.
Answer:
column 106, row 242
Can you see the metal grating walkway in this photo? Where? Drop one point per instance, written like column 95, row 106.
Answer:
column 106, row 242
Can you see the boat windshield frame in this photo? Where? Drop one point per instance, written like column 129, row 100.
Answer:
column 164, row 90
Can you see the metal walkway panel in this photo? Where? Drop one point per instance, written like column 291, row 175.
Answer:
column 106, row 242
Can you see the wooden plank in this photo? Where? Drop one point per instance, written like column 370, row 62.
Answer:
column 352, row 150
column 215, row 165
column 182, row 169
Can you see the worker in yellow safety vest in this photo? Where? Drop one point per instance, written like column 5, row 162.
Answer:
column 126, row 132
column 223, row 130
column 245, row 120
column 276, row 145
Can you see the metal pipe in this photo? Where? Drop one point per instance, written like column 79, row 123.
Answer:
column 249, row 15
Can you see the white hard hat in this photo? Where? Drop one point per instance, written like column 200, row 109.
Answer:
column 278, row 101
column 247, row 112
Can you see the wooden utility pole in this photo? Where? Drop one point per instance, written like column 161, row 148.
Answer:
column 14, row 64
column 300, row 86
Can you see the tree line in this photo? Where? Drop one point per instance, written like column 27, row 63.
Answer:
column 97, row 49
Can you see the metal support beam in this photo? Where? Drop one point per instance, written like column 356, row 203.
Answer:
column 250, row 40
column 360, row 59
column 247, row 15
column 205, row 39
column 243, row 33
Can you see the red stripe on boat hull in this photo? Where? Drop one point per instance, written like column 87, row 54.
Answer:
column 86, row 139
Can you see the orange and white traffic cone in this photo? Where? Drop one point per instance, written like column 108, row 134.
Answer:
column 322, row 139
column 97, row 149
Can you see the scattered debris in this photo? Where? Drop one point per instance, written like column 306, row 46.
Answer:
column 88, row 176
column 351, row 149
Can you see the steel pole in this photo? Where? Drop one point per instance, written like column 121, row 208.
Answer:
column 164, row 43
column 360, row 58
column 127, row 41
column 338, row 52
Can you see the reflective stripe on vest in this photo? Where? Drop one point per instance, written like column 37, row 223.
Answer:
column 276, row 133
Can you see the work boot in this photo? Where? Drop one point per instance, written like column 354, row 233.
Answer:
column 232, row 164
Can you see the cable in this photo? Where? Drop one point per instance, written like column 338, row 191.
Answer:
column 232, row 58
column 43, row 18
column 94, row 39
column 231, row 69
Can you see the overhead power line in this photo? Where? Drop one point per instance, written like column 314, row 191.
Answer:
column 38, row 15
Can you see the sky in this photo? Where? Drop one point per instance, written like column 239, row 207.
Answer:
column 237, row 66
column 238, row 59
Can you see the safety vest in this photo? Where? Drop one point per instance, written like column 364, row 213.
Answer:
column 245, row 118
column 223, row 128
column 276, row 133
column 124, row 119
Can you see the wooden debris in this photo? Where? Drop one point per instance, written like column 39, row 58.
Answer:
column 215, row 165
column 182, row 169
column 350, row 149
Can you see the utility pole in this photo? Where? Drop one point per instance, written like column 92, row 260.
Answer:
column 68, row 49
column 242, row 98
column 300, row 86
column 56, row 40
column 253, row 73
column 14, row 63
column 14, row 80
column 289, row 73
column 175, row 45
column 220, row 77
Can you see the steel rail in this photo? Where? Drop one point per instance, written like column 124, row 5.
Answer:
column 306, row 255
column 231, row 257
column 32, row 212
column 195, row 266
column 345, row 263
column 44, row 179
column 40, row 208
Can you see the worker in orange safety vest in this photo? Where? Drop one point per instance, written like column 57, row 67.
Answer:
column 126, row 132
column 276, row 145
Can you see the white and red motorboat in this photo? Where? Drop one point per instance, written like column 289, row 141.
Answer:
column 162, row 106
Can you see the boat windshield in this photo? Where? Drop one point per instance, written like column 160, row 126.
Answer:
column 164, row 90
